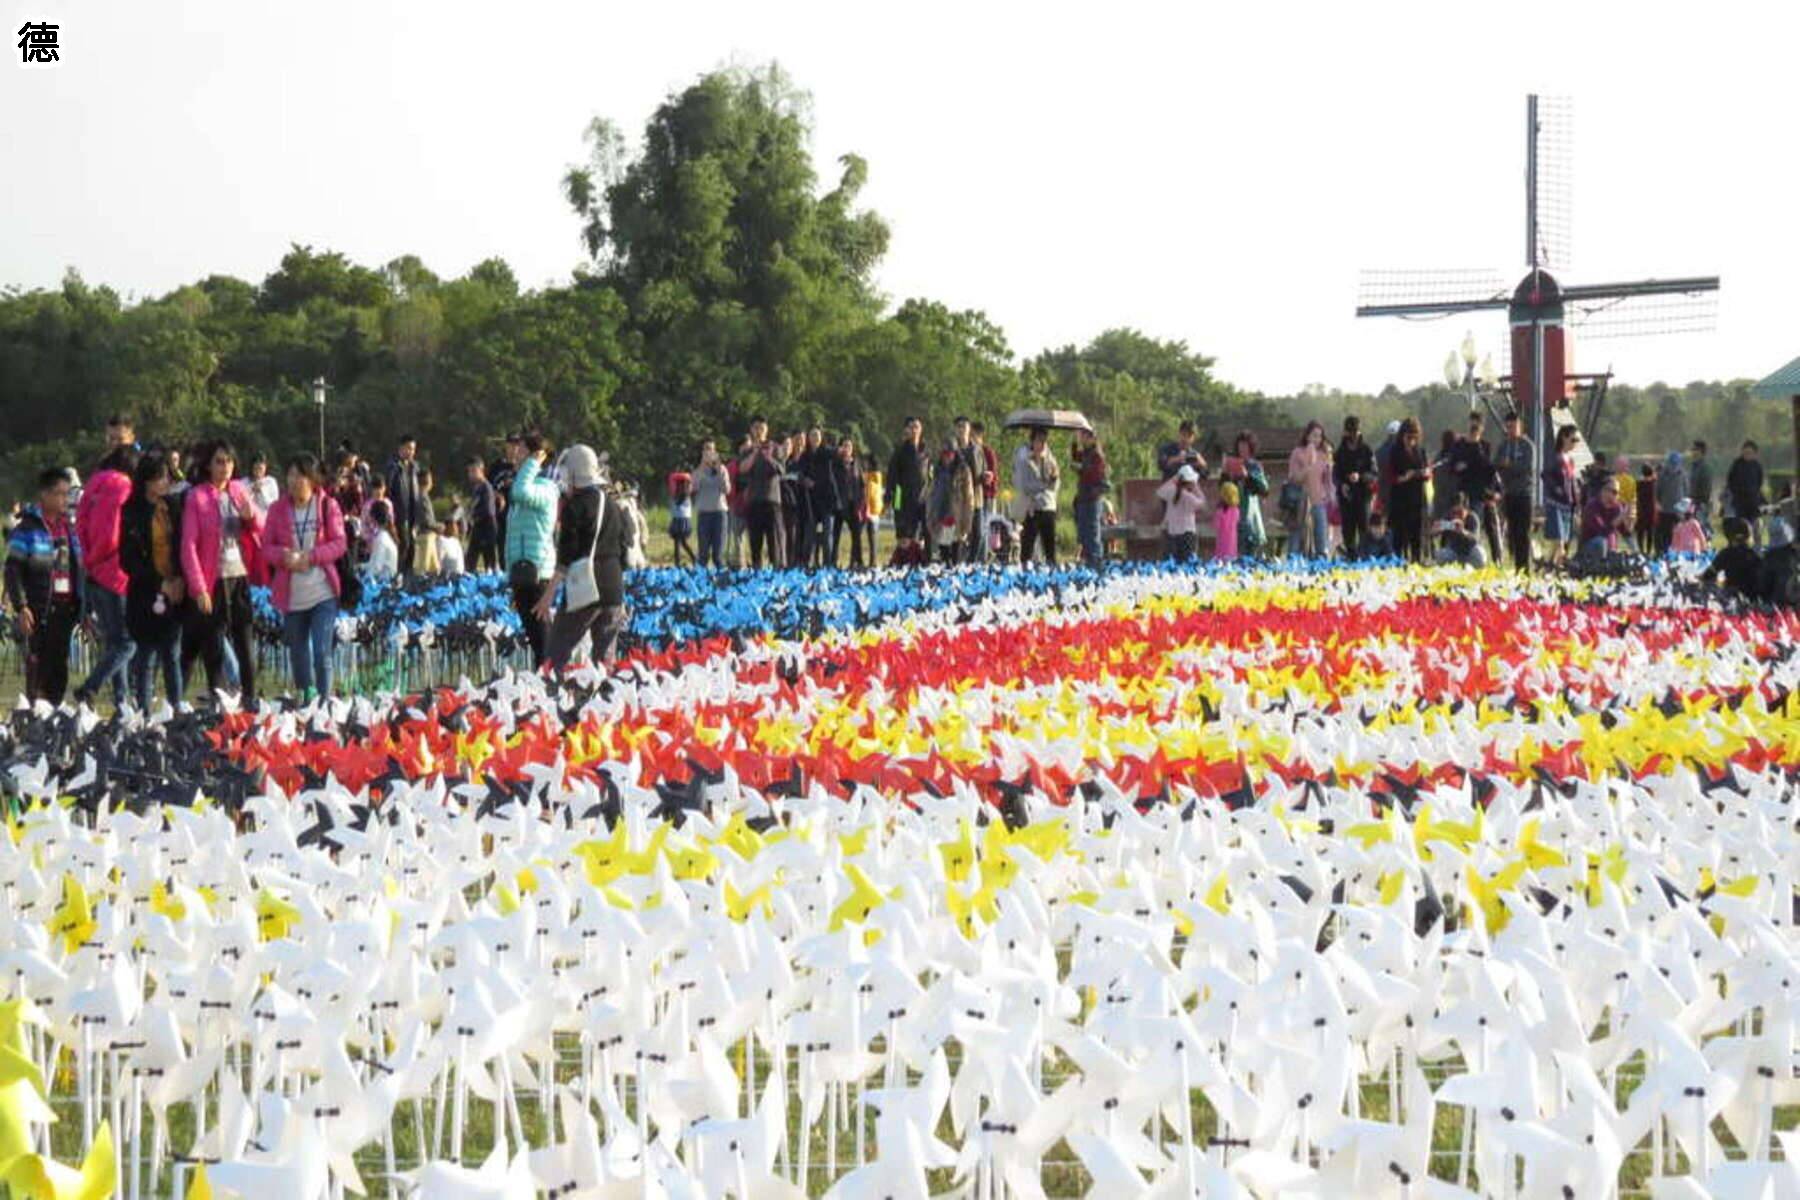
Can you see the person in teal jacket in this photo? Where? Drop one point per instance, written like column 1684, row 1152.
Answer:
column 530, row 535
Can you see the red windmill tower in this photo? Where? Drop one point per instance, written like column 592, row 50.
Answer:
column 1540, row 309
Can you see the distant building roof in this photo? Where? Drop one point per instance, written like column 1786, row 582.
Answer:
column 1780, row 385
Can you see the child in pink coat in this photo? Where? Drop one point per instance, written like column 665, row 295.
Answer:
column 1689, row 537
column 1225, row 523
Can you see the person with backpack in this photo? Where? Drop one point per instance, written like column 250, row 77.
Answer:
column 43, row 585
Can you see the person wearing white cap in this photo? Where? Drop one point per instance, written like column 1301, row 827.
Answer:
column 592, row 540
column 1183, row 504
column 1384, row 452
column 1688, row 537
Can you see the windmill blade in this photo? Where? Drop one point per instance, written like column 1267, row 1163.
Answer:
column 1549, row 182
column 1644, row 315
column 1428, row 293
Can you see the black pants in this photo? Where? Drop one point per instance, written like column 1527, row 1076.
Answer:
column 763, row 521
column 484, row 552
column 1353, row 513
column 47, row 650
column 1039, row 526
column 1409, row 532
column 909, row 520
column 796, row 542
column 1518, row 530
column 857, row 528
column 230, row 618
column 525, row 597
column 603, row 621
column 404, row 542
column 1490, row 528
column 1665, row 531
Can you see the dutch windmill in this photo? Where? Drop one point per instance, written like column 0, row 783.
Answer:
column 1540, row 309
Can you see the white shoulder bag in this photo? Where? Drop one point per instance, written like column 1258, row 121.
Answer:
column 580, row 588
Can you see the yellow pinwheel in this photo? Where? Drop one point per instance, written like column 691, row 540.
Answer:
column 73, row 920
column 37, row 1177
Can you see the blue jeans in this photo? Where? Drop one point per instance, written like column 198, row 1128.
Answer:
column 308, row 635
column 1087, row 530
column 1316, row 524
column 114, row 663
column 978, row 534
column 712, row 539
column 167, row 652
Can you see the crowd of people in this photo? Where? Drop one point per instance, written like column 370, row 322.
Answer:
column 156, row 552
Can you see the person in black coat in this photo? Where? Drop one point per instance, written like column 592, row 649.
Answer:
column 1408, row 470
column 155, row 591
column 593, row 526
column 822, row 500
column 908, row 470
column 850, row 488
column 1744, row 484
column 1353, row 474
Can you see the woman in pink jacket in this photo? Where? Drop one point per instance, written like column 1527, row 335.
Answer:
column 1310, row 467
column 221, row 530
column 97, row 524
column 302, row 546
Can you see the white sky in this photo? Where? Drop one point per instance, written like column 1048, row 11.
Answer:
column 1201, row 171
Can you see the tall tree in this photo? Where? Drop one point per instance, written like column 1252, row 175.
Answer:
column 741, row 279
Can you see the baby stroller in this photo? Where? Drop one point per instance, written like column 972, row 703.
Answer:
column 1003, row 539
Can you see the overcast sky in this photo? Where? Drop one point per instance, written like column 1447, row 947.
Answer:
column 1200, row 171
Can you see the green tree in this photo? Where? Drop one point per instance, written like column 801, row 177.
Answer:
column 743, row 283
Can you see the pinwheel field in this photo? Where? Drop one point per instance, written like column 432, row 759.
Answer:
column 1357, row 882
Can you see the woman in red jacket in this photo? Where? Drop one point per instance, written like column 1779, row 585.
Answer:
column 302, row 546
column 97, row 524
column 221, row 529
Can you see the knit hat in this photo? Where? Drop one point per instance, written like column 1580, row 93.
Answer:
column 579, row 467
column 1228, row 494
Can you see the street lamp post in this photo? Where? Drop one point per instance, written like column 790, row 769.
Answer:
column 319, row 388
